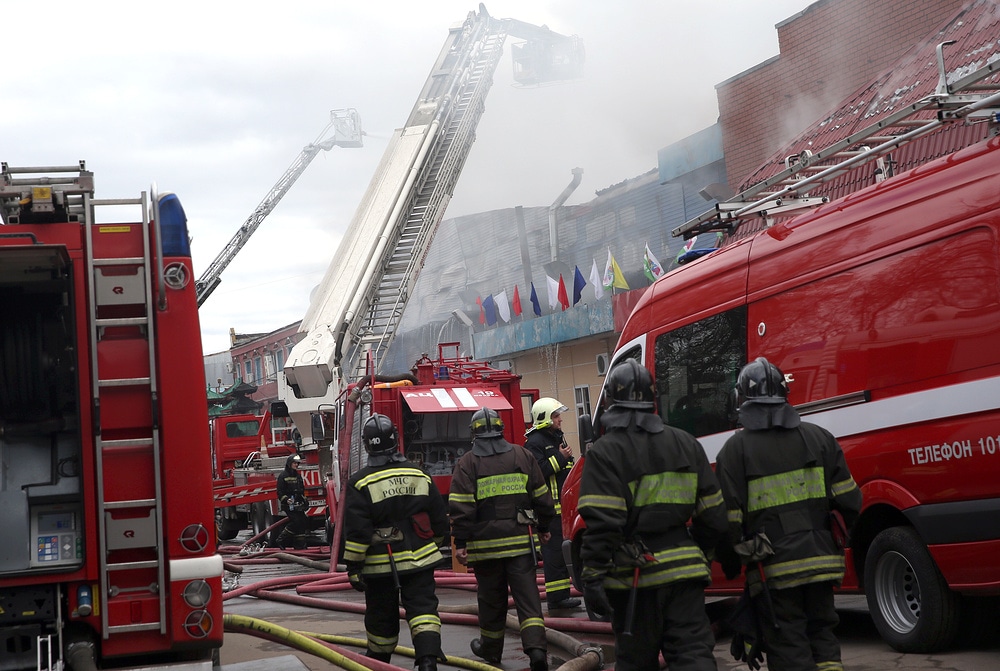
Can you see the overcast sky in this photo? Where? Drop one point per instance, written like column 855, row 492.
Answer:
column 215, row 100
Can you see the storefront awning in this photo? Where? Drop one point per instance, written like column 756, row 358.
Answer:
column 454, row 399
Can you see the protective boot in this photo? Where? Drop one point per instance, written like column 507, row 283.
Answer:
column 426, row 663
column 538, row 660
column 489, row 651
column 380, row 656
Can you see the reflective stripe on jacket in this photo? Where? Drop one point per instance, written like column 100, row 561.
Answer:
column 784, row 482
column 486, row 494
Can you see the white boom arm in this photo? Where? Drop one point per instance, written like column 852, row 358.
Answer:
column 346, row 130
column 360, row 301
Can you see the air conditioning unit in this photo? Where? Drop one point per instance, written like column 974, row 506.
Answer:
column 603, row 361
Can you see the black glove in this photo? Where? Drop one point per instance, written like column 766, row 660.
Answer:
column 597, row 600
column 357, row 578
column 747, row 649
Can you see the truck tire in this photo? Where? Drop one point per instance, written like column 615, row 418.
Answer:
column 909, row 601
column 225, row 527
column 262, row 518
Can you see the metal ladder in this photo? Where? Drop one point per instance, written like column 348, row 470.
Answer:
column 428, row 199
column 785, row 194
column 121, row 309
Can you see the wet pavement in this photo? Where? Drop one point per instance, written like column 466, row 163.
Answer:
column 863, row 649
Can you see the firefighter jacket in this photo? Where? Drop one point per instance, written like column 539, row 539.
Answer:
column 642, row 481
column 784, row 482
column 488, row 491
column 291, row 490
column 393, row 506
column 544, row 444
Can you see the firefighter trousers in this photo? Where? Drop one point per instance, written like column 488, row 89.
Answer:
column 493, row 577
column 670, row 619
column 420, row 604
column 556, row 573
column 804, row 638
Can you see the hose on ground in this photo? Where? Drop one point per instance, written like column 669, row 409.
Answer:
column 249, row 625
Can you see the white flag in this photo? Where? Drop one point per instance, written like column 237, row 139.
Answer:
column 503, row 305
column 553, row 286
column 596, row 282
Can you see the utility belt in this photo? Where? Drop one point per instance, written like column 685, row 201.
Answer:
column 526, row 516
column 663, row 539
column 420, row 523
column 796, row 521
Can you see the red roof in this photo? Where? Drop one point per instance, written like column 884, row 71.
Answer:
column 976, row 33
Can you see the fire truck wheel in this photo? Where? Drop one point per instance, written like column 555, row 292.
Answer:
column 909, row 601
column 262, row 518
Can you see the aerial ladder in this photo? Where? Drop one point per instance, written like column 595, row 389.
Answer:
column 357, row 308
column 969, row 99
column 343, row 130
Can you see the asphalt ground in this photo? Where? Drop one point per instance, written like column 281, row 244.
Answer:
column 338, row 613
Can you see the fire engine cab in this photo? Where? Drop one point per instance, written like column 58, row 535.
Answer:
column 108, row 546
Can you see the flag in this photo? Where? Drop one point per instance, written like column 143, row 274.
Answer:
column 578, row 284
column 553, row 287
column 490, row 310
column 482, row 314
column 595, row 281
column 535, row 307
column 503, row 306
column 517, row 302
column 563, row 298
column 613, row 278
column 650, row 265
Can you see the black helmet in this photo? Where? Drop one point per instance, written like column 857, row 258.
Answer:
column 379, row 435
column 486, row 423
column 761, row 381
column 629, row 385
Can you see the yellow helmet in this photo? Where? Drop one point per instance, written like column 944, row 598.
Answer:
column 542, row 411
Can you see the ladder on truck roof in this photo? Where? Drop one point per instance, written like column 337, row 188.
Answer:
column 785, row 194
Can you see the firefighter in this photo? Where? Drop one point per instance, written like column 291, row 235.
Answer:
column 547, row 444
column 781, row 478
column 498, row 502
column 395, row 521
column 642, row 482
column 292, row 497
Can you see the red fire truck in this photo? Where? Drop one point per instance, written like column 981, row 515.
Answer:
column 248, row 453
column 883, row 309
column 108, row 547
column 432, row 406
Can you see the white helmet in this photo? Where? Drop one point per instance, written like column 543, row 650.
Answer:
column 542, row 411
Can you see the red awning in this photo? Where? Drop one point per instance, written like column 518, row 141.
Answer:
column 454, row 399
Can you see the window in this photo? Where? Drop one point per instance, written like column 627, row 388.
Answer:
column 241, row 429
column 696, row 370
column 279, row 359
column 258, row 370
column 248, row 371
column 582, row 394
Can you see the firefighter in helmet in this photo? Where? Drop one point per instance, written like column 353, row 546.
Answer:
column 292, row 498
column 642, row 564
column 498, row 503
column 394, row 523
column 786, row 536
column 546, row 442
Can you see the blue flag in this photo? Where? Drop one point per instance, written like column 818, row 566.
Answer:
column 578, row 284
column 534, row 301
column 490, row 308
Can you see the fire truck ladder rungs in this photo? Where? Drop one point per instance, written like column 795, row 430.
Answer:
column 786, row 192
column 427, row 202
column 132, row 543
